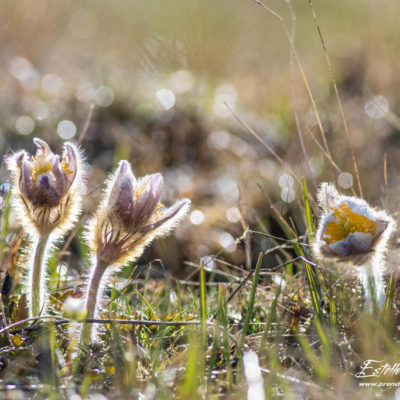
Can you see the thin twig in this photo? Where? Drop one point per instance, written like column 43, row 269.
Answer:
column 62, row 321
column 303, row 75
column 87, row 123
column 247, row 238
column 294, row 241
column 310, row 168
column 385, row 179
column 266, row 145
column 346, row 129
column 212, row 269
column 297, row 259
column 276, row 211
column 241, row 284
column 328, row 156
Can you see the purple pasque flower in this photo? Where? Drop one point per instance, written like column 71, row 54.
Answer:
column 131, row 216
column 47, row 186
column 353, row 233
column 350, row 229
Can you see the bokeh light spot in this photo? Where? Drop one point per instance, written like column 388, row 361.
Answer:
column 227, row 241
column 219, row 139
column 345, row 180
column 224, row 94
column 279, row 281
column 22, row 69
column 288, row 195
column 209, row 262
column 25, row 125
column 51, row 84
column 285, row 181
column 196, row 217
column 239, row 147
column 104, row 96
column 41, row 111
column 66, row 129
column 377, row 107
column 181, row 81
column 165, row 98
column 85, row 92
column 233, row 214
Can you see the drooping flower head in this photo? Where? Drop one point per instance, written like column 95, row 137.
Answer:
column 131, row 216
column 48, row 187
column 350, row 229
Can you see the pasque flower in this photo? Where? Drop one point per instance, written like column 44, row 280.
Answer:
column 128, row 219
column 47, row 192
column 351, row 231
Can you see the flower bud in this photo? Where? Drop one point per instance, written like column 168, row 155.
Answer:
column 128, row 219
column 47, row 193
column 48, row 187
column 131, row 216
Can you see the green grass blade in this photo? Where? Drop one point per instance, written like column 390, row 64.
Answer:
column 272, row 318
column 216, row 337
column 203, row 309
column 149, row 306
column 6, row 220
column 193, row 375
column 308, row 210
column 389, row 292
column 249, row 313
column 312, row 282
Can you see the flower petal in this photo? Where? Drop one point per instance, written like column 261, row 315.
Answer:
column 341, row 248
column 43, row 148
column 70, row 157
column 168, row 220
column 360, row 242
column 26, row 182
column 123, row 170
column 45, row 193
column 380, row 228
column 147, row 201
column 60, row 180
column 124, row 202
column 328, row 196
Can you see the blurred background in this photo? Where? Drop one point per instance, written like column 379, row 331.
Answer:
column 159, row 74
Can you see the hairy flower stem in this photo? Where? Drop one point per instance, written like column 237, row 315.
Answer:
column 93, row 296
column 371, row 276
column 37, row 276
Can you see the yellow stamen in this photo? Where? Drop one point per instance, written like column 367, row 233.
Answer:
column 157, row 213
column 346, row 221
column 40, row 166
column 65, row 167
